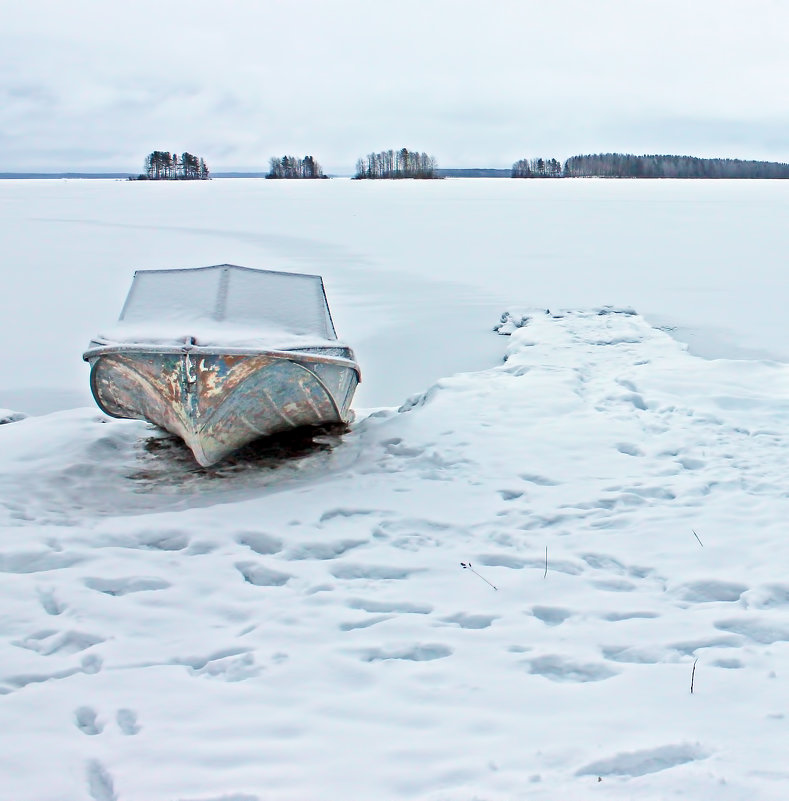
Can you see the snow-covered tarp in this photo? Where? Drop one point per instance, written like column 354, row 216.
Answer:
column 225, row 305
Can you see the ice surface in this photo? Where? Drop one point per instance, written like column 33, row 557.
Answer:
column 299, row 628
column 416, row 274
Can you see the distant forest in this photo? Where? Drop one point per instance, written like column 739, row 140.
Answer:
column 291, row 167
column 623, row 165
column 396, row 164
column 164, row 166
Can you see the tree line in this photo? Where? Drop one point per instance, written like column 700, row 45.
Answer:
column 401, row 163
column 626, row 165
column 161, row 165
column 291, row 167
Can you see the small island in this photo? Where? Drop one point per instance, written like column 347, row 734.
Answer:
column 291, row 167
column 395, row 164
column 160, row 165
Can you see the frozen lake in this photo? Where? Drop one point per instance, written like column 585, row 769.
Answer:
column 416, row 273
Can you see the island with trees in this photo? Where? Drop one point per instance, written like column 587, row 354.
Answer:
column 625, row 165
column 291, row 167
column 394, row 164
column 161, row 165
column 537, row 168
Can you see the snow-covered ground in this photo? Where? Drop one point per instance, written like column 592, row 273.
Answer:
column 287, row 628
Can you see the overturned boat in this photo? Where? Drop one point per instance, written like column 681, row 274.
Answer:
column 223, row 355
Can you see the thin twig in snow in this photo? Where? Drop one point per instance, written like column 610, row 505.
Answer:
column 697, row 537
column 693, row 676
column 467, row 566
column 545, row 574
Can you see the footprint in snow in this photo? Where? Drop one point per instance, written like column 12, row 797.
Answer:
column 769, row 596
column 640, row 763
column 501, row 560
column 689, row 648
column 540, row 481
column 465, row 621
column 100, row 784
column 411, row 534
column 551, row 615
column 618, row 617
column 36, row 561
column 710, row 591
column 395, row 447
column 323, row 550
column 230, row 668
column 261, row 576
column 728, row 664
column 90, row 664
column 344, row 512
column 87, row 722
column 228, row 664
column 615, row 585
column 364, row 624
column 259, row 542
column 557, row 668
column 516, row 563
column 413, row 653
column 125, row 586
column 154, row 540
column 637, row 656
column 761, row 631
column 50, row 642
column 692, row 464
column 385, row 607
column 50, row 603
column 378, row 572
column 127, row 721
column 601, row 561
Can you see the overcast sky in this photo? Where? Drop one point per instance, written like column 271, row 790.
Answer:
column 94, row 85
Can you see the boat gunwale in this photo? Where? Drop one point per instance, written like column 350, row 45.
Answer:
column 296, row 356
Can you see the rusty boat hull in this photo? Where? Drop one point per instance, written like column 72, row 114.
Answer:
column 217, row 401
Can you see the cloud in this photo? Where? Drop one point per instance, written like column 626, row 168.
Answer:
column 254, row 78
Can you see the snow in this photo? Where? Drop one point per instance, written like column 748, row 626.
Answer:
column 281, row 628
column 207, row 333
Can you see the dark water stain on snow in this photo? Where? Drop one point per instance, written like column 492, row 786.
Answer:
column 166, row 462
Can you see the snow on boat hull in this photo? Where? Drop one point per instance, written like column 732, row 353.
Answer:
column 217, row 402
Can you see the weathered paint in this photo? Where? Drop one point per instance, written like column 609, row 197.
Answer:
column 218, row 402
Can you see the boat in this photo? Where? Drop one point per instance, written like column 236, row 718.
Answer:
column 224, row 355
